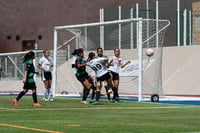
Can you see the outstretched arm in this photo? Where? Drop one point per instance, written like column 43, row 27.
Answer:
column 123, row 65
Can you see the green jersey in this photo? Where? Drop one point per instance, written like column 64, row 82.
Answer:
column 29, row 67
column 81, row 70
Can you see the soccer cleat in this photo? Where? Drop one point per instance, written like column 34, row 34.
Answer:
column 84, row 102
column 37, row 105
column 51, row 99
column 91, row 101
column 45, row 99
column 95, row 103
column 117, row 99
column 15, row 102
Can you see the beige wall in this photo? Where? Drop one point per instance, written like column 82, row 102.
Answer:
column 181, row 73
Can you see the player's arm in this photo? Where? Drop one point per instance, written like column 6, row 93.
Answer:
column 78, row 63
column 25, row 76
column 123, row 65
column 41, row 68
column 4, row 73
column 81, row 65
column 109, row 62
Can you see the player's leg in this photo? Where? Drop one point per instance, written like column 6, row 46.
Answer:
column 108, row 86
column 45, row 92
column 20, row 95
column 34, row 95
column 93, row 82
column 115, row 78
column 49, row 90
column 98, row 92
column 86, row 90
column 115, row 87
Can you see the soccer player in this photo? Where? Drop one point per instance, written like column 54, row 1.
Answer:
column 116, row 62
column 81, row 74
column 100, row 55
column 45, row 64
column 28, row 80
column 101, row 73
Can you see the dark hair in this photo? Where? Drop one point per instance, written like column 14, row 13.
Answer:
column 99, row 48
column 91, row 55
column 77, row 51
column 28, row 56
column 45, row 50
column 116, row 49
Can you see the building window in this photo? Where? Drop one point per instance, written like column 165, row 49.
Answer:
column 198, row 22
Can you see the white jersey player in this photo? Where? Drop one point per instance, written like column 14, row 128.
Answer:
column 105, row 64
column 101, row 73
column 116, row 62
column 45, row 64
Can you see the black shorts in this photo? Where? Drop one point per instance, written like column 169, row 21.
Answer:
column 29, row 85
column 46, row 76
column 115, row 76
column 83, row 77
column 104, row 77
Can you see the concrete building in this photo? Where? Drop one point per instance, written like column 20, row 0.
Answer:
column 26, row 22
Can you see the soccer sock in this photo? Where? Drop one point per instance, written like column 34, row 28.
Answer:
column 108, row 94
column 45, row 92
column 34, row 95
column 85, row 94
column 115, row 92
column 49, row 93
column 93, row 92
column 97, row 95
column 21, row 94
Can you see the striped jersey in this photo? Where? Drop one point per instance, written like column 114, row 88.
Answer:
column 29, row 67
column 81, row 70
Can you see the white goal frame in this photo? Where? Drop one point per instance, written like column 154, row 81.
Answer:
column 139, row 44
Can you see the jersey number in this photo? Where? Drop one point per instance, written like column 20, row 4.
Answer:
column 97, row 67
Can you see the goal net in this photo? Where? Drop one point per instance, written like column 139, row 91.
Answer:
column 12, row 65
column 141, row 78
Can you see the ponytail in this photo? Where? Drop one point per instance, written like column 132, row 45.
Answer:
column 28, row 56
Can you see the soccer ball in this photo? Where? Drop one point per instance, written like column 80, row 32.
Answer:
column 149, row 52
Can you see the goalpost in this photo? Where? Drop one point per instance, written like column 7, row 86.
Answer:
column 143, row 77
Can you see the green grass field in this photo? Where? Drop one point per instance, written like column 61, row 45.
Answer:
column 69, row 116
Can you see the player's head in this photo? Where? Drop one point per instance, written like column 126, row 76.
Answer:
column 116, row 51
column 80, row 52
column 29, row 56
column 99, row 52
column 46, row 53
column 91, row 55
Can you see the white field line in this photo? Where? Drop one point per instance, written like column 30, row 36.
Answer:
column 102, row 108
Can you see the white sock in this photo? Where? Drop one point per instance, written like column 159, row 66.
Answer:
column 45, row 93
column 49, row 93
